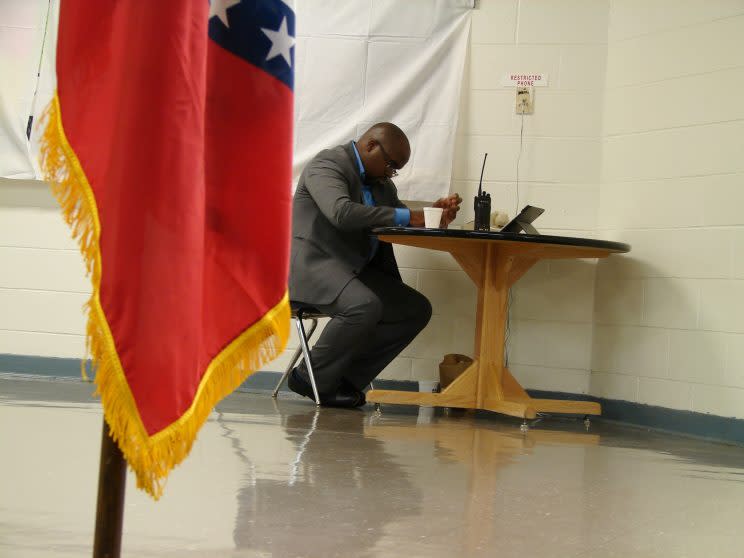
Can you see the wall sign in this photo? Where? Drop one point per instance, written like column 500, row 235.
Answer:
column 524, row 80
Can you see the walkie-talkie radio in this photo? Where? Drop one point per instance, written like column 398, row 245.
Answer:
column 482, row 205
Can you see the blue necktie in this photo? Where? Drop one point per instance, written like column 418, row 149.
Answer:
column 370, row 201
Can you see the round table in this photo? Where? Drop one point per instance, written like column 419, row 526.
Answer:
column 494, row 261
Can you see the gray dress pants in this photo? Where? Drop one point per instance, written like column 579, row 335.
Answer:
column 372, row 320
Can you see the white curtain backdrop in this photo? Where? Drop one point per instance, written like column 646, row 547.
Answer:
column 358, row 62
column 22, row 24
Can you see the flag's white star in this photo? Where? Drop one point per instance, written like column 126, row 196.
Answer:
column 219, row 8
column 281, row 42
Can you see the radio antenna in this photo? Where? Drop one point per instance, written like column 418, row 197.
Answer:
column 480, row 183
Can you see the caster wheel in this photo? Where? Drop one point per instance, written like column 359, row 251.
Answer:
column 524, row 427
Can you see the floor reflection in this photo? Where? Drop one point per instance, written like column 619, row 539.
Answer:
column 282, row 479
column 485, row 449
column 341, row 489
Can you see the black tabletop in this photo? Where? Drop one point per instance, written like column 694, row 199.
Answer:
column 495, row 235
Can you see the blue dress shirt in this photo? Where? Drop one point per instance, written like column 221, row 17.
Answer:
column 402, row 215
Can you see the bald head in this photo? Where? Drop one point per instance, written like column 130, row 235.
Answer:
column 384, row 150
column 388, row 133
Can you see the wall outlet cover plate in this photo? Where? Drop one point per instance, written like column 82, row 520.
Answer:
column 525, row 100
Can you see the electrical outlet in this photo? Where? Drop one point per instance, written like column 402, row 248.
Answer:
column 525, row 100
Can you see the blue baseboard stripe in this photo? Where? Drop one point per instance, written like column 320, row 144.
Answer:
column 711, row 427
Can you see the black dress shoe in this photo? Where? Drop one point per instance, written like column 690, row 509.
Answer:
column 343, row 398
column 299, row 385
column 346, row 387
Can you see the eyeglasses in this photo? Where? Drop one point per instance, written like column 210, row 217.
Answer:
column 389, row 163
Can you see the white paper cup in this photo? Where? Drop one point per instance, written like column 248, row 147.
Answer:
column 428, row 386
column 432, row 217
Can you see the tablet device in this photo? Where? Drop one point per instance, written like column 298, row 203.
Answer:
column 523, row 221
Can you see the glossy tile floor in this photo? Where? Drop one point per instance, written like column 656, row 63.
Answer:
column 280, row 479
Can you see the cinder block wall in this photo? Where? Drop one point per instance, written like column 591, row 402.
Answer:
column 42, row 277
column 669, row 322
column 634, row 139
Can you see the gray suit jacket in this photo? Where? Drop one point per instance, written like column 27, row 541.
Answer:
column 331, row 224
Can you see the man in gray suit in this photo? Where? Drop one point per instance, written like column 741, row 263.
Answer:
column 337, row 267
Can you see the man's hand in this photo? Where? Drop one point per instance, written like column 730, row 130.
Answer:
column 417, row 218
column 450, row 206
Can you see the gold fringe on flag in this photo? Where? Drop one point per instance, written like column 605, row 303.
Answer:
column 150, row 457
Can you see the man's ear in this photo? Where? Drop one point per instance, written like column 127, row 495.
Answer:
column 370, row 145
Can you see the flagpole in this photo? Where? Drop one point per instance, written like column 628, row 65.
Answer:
column 112, row 479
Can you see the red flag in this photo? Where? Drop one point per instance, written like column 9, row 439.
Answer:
column 169, row 146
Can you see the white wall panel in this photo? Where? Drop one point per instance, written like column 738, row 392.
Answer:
column 551, row 344
column 399, row 369
column 664, row 393
column 43, row 311
column 494, row 22
column 734, row 374
column 562, row 296
column 568, row 160
column 678, row 152
column 686, row 101
column 737, row 254
column 582, row 67
column 567, row 206
column 671, row 187
column 614, row 386
column 434, row 341
column 551, row 379
column 632, row 18
column 619, row 301
column 34, row 228
column 567, row 21
column 722, row 305
column 43, row 269
column 717, row 400
column 683, row 253
column 464, row 335
column 419, row 258
column 697, row 357
column 425, row 369
column 451, row 293
column 674, row 53
column 636, row 351
column 671, row 303
column 58, row 345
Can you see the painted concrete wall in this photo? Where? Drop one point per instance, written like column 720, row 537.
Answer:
column 638, row 137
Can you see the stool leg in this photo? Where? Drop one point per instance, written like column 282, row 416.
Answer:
column 306, row 353
column 292, row 362
column 296, row 355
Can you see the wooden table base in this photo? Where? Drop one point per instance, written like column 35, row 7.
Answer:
column 488, row 384
column 460, row 394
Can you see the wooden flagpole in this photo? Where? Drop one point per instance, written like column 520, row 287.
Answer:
column 112, row 483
